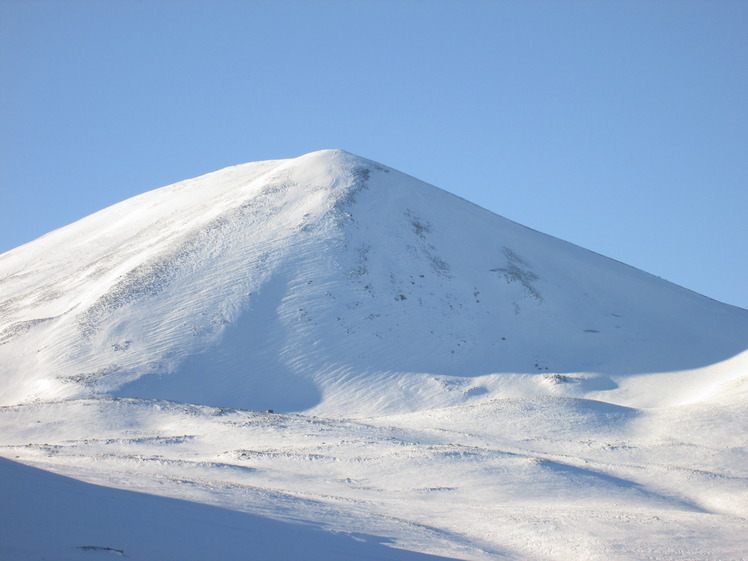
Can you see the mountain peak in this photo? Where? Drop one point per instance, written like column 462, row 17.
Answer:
column 329, row 282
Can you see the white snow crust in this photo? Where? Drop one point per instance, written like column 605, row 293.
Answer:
column 445, row 383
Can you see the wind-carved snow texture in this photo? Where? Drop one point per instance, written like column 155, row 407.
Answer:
column 411, row 345
column 19, row 328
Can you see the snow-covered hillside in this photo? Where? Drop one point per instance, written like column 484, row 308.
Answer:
column 333, row 284
column 444, row 380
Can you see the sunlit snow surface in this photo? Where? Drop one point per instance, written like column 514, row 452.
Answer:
column 445, row 382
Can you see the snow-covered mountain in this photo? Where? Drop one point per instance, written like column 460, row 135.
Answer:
column 334, row 284
column 418, row 347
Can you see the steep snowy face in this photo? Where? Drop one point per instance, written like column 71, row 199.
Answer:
column 332, row 283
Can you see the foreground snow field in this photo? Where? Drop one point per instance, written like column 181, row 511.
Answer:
column 446, row 383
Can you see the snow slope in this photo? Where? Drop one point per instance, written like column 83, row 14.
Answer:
column 446, row 383
column 73, row 517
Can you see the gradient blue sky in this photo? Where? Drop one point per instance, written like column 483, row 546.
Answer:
column 621, row 126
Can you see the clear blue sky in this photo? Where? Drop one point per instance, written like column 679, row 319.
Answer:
column 621, row 126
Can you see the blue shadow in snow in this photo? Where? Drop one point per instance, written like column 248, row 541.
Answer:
column 45, row 515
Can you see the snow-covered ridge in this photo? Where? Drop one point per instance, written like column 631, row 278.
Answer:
column 305, row 283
